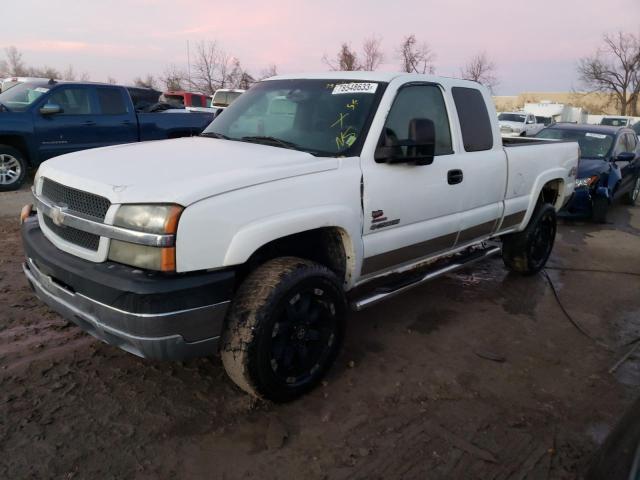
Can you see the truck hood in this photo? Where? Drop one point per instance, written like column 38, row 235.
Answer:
column 181, row 171
column 592, row 166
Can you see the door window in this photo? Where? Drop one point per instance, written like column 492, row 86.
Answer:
column 474, row 119
column 111, row 101
column 74, row 101
column 418, row 101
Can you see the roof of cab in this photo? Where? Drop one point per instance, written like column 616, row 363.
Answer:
column 374, row 77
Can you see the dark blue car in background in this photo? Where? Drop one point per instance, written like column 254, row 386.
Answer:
column 44, row 119
column 609, row 167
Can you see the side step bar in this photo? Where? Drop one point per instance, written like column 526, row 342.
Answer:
column 387, row 291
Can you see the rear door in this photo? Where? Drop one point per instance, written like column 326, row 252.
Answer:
column 117, row 121
column 73, row 128
column 484, row 166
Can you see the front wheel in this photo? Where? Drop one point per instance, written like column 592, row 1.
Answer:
column 630, row 197
column 527, row 252
column 284, row 329
column 13, row 168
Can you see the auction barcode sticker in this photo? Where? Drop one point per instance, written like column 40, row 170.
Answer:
column 355, row 88
column 595, row 135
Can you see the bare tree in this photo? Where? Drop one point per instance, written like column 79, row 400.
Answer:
column 416, row 58
column 15, row 64
column 372, row 54
column 346, row 60
column 148, row 82
column 43, row 72
column 270, row 71
column 174, row 78
column 111, row 80
column 212, row 68
column 613, row 68
column 482, row 70
column 69, row 74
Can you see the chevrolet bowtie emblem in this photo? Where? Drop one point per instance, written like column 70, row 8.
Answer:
column 58, row 214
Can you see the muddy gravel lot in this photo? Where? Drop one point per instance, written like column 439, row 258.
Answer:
column 479, row 374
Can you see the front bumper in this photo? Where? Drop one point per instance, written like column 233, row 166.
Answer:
column 156, row 316
column 580, row 204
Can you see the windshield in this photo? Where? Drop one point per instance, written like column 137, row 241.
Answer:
column 592, row 145
column 322, row 117
column 511, row 117
column 614, row 122
column 21, row 97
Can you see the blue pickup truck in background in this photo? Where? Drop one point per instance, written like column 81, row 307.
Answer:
column 40, row 120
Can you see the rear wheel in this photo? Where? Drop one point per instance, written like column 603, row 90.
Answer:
column 630, row 197
column 284, row 329
column 527, row 252
column 13, row 168
column 600, row 209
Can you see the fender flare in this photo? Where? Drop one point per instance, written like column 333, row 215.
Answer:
column 254, row 235
column 555, row 175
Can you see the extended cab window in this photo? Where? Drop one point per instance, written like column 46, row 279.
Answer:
column 111, row 101
column 74, row 101
column 474, row 119
column 419, row 101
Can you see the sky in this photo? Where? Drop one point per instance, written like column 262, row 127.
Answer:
column 535, row 44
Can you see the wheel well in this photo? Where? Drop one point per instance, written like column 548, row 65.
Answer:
column 322, row 245
column 18, row 143
column 551, row 193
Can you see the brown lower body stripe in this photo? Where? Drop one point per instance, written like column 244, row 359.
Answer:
column 389, row 259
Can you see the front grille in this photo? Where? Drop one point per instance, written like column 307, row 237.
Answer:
column 75, row 200
column 73, row 235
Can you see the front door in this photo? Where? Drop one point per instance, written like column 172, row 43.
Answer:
column 70, row 130
column 410, row 210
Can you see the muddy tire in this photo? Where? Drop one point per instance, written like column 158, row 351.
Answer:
column 284, row 329
column 600, row 209
column 13, row 168
column 527, row 252
column 631, row 197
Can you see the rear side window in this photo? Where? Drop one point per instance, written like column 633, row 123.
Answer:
column 474, row 119
column 111, row 101
column 196, row 101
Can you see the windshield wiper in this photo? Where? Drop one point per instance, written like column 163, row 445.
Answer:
column 214, row 135
column 272, row 141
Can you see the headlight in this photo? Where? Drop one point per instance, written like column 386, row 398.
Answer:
column 586, row 182
column 159, row 219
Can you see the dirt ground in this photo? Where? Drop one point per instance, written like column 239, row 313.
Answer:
column 475, row 375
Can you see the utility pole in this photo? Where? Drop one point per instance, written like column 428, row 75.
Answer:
column 188, row 65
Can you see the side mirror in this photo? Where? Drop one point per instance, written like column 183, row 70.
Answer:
column 625, row 157
column 419, row 148
column 50, row 109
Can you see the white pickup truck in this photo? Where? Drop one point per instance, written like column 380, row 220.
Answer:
column 308, row 195
column 519, row 124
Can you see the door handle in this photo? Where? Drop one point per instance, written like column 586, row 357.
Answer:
column 89, row 123
column 454, row 176
column 126, row 122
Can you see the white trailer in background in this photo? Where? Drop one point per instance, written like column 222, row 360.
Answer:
column 559, row 112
